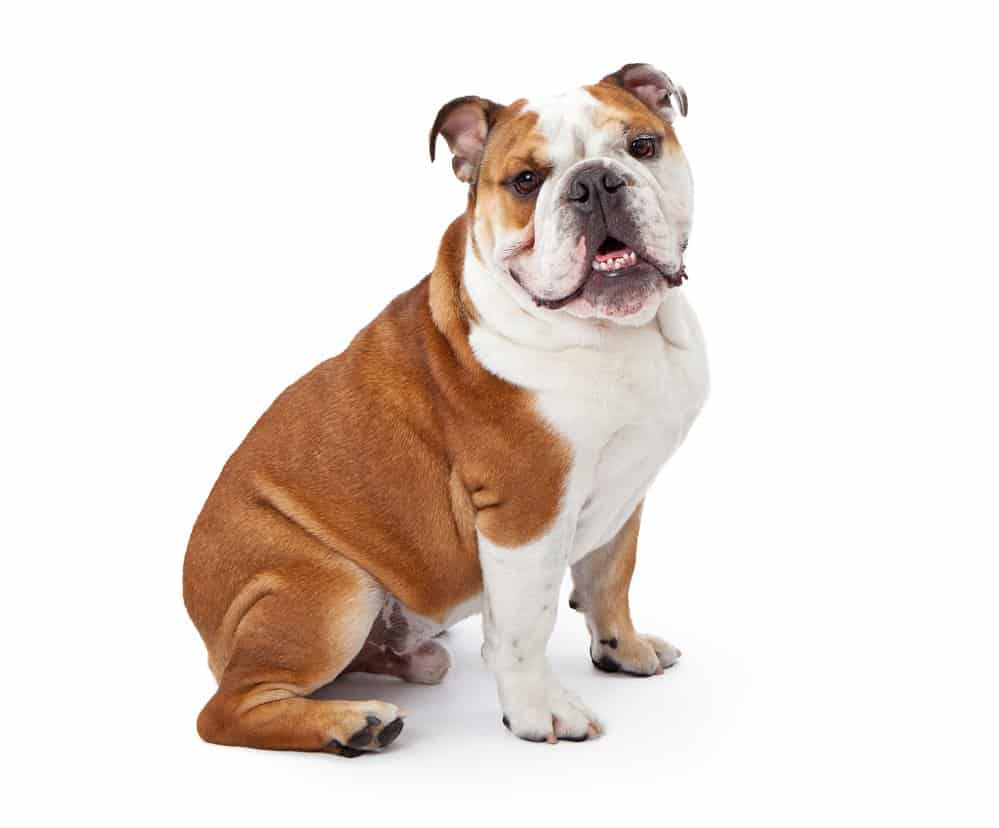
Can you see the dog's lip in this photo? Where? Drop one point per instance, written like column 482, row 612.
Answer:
column 674, row 279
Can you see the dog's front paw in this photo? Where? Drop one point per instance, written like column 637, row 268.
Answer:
column 541, row 710
column 635, row 654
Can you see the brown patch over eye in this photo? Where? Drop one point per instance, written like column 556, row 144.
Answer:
column 624, row 110
column 643, row 147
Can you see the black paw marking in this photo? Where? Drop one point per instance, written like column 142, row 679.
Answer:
column 341, row 749
column 390, row 732
column 607, row 664
column 573, row 604
column 506, row 724
column 364, row 735
column 609, row 642
column 582, row 738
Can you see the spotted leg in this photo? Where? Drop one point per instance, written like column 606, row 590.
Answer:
column 521, row 587
column 600, row 592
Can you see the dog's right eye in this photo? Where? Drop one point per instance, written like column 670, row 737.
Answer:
column 526, row 182
column 644, row 146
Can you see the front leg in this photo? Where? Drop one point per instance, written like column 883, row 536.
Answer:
column 520, row 591
column 600, row 591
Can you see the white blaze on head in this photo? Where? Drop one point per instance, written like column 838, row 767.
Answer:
column 610, row 255
column 578, row 128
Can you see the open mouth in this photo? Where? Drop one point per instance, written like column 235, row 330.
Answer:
column 613, row 257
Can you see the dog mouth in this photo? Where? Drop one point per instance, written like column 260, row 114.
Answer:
column 614, row 257
column 615, row 260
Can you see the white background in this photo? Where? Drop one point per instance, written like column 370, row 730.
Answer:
column 199, row 201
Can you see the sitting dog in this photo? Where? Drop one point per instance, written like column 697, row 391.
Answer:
column 494, row 426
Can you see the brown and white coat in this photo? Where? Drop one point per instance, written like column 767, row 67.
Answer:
column 494, row 426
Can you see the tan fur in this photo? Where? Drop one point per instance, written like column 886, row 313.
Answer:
column 600, row 591
column 368, row 475
column 366, row 482
column 514, row 145
column 603, row 593
column 624, row 109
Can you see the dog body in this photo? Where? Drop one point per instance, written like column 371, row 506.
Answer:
column 496, row 425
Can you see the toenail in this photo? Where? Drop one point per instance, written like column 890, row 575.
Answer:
column 390, row 732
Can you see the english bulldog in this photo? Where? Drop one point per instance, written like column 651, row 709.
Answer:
column 495, row 426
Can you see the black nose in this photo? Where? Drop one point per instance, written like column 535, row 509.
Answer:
column 591, row 184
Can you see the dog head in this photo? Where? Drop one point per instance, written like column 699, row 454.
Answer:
column 582, row 202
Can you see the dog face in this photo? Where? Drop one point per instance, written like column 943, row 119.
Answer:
column 582, row 202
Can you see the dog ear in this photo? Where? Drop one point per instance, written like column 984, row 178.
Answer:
column 464, row 122
column 651, row 87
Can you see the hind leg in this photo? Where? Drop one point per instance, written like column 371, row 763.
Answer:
column 299, row 634
column 426, row 663
column 400, row 644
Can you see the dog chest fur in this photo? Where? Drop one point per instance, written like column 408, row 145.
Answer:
column 623, row 399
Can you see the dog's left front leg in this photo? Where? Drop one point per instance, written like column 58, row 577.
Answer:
column 521, row 588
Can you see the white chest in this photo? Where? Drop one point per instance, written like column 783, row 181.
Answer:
column 624, row 404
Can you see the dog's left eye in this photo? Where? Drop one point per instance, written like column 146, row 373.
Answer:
column 526, row 182
column 643, row 147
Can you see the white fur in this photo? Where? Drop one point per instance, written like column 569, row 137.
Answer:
column 660, row 195
column 623, row 398
column 622, row 394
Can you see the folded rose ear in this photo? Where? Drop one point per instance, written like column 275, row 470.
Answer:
column 464, row 123
column 651, row 87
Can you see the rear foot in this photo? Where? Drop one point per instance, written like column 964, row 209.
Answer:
column 373, row 726
column 427, row 664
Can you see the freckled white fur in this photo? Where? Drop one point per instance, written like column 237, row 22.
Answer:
column 623, row 396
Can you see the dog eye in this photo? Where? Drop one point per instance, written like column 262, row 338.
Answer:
column 643, row 147
column 526, row 182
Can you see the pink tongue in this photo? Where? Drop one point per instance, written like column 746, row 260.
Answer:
column 616, row 254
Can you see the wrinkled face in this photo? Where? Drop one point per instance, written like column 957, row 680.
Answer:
column 583, row 202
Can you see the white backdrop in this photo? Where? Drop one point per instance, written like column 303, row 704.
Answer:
column 201, row 200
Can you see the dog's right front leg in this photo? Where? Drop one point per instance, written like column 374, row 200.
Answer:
column 521, row 588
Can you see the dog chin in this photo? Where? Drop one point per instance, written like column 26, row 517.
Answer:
column 633, row 302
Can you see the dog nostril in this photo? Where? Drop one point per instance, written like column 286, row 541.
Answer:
column 612, row 183
column 579, row 192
